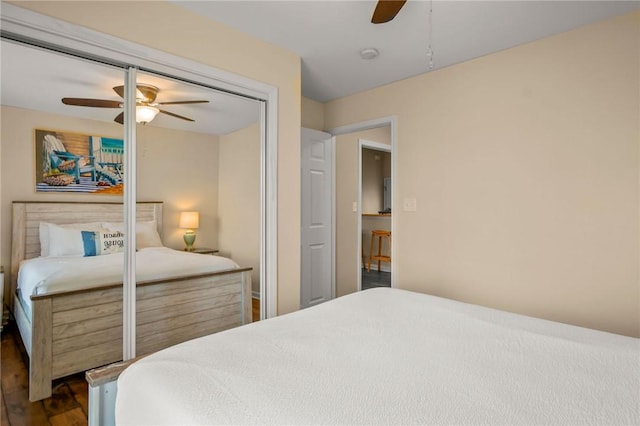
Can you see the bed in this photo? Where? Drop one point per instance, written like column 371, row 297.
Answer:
column 389, row 356
column 75, row 324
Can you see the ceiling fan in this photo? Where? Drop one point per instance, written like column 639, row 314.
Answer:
column 146, row 105
column 386, row 10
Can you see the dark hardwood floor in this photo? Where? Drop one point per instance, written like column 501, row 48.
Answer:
column 68, row 406
column 255, row 305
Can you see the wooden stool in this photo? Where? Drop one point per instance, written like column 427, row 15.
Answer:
column 379, row 257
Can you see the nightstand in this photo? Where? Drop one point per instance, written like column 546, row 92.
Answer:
column 204, row 250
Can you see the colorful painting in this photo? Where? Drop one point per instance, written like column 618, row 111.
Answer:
column 73, row 162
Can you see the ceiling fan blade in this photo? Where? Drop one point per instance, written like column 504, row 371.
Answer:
column 119, row 118
column 119, row 90
column 146, row 91
column 386, row 10
column 96, row 103
column 176, row 115
column 182, row 102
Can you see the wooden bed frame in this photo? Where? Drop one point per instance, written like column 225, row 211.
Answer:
column 74, row 331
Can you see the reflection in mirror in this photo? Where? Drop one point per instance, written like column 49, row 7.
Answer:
column 386, row 208
column 376, row 181
column 61, row 158
column 201, row 156
column 198, row 155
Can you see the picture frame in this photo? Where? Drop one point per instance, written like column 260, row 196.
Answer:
column 68, row 162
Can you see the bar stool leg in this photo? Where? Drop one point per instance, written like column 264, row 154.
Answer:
column 379, row 250
column 370, row 254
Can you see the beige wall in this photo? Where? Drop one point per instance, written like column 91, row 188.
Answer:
column 182, row 33
column 525, row 167
column 239, row 199
column 312, row 114
column 347, row 257
column 173, row 166
column 181, row 169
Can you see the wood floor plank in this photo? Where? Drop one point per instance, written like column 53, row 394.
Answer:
column 75, row 417
column 15, row 383
column 255, row 308
column 4, row 419
column 15, row 375
column 67, row 406
column 21, row 411
column 80, row 390
column 61, row 400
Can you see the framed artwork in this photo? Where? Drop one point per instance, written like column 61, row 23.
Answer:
column 74, row 162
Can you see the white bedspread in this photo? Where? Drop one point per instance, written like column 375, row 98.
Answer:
column 388, row 356
column 55, row 274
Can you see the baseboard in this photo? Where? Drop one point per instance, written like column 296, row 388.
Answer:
column 255, row 295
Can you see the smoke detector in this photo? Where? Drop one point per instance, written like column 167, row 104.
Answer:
column 369, row 53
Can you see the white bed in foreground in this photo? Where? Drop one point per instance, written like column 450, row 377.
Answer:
column 389, row 356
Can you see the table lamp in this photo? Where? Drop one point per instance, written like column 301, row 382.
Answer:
column 189, row 221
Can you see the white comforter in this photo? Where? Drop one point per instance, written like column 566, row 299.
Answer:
column 42, row 275
column 388, row 356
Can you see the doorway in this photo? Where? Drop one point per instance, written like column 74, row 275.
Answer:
column 349, row 246
column 375, row 194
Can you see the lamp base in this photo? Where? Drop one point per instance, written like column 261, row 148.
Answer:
column 189, row 239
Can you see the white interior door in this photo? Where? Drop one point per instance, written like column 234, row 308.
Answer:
column 316, row 269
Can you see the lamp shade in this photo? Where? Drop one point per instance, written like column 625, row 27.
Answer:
column 189, row 220
column 145, row 114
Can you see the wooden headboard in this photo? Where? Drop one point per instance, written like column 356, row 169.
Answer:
column 25, row 234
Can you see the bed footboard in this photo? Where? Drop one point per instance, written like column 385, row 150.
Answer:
column 80, row 330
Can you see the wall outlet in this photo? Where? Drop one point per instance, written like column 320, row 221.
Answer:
column 409, row 205
column 355, row 206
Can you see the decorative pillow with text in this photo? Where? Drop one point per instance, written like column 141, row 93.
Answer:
column 146, row 233
column 98, row 243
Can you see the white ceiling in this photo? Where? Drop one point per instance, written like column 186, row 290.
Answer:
column 37, row 79
column 329, row 35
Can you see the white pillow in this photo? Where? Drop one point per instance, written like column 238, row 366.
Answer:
column 65, row 242
column 44, row 233
column 146, row 233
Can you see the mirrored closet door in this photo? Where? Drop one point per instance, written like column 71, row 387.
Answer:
column 71, row 155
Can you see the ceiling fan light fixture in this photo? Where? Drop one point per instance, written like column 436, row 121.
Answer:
column 369, row 53
column 146, row 105
column 145, row 113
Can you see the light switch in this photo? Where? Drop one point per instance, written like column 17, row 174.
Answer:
column 409, row 205
column 355, row 206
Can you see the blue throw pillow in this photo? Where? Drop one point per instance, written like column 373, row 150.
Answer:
column 97, row 243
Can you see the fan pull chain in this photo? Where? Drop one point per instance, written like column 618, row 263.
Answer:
column 429, row 48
